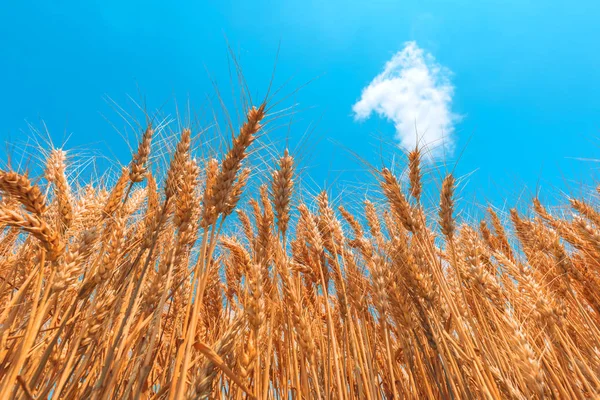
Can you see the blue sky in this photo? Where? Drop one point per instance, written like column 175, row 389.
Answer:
column 523, row 107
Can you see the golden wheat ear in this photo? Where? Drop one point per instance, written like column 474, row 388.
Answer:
column 56, row 174
column 38, row 228
column 415, row 175
column 282, row 185
column 138, row 167
column 231, row 164
column 115, row 198
column 21, row 189
column 447, row 207
column 397, row 200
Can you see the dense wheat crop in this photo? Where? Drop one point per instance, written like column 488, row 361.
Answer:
column 181, row 284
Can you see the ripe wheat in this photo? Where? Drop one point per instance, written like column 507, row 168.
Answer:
column 142, row 292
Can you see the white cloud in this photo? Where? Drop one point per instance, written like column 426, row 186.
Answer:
column 415, row 93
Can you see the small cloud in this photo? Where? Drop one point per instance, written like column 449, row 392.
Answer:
column 415, row 93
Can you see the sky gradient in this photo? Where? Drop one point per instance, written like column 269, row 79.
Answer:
column 523, row 111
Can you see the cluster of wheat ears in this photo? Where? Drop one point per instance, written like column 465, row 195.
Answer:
column 142, row 290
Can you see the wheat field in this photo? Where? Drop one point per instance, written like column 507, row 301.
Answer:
column 182, row 284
